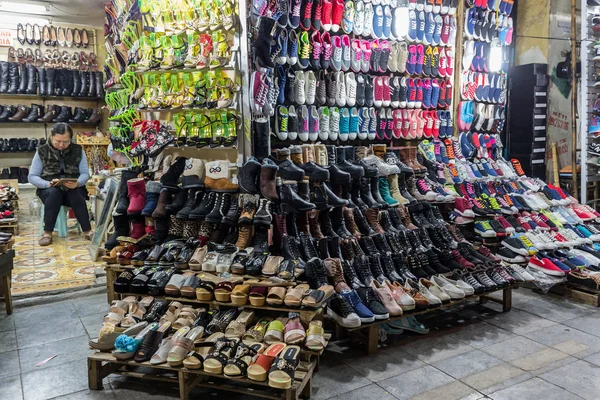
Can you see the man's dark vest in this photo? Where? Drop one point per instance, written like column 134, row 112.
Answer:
column 51, row 161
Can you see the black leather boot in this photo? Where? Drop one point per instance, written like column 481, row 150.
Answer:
column 76, row 83
column 50, row 78
column 22, row 79
column 63, row 115
column 99, row 85
column 13, row 78
column 376, row 194
column 22, row 112
column 123, row 202
column 263, row 42
column 42, row 84
column 8, row 112
column 51, row 111
column 3, row 76
column 92, row 88
column 323, row 197
column 67, row 89
column 84, row 84
column 31, row 79
column 291, row 201
column 366, row 195
column 79, row 115
column 354, row 170
column 35, row 113
column 58, row 83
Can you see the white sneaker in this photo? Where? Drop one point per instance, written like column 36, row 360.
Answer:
column 432, row 292
column 400, row 23
column 368, row 18
column 359, row 18
column 350, row 89
column 468, row 54
column 341, row 89
column 452, row 289
column 520, row 272
column 300, row 87
column 310, row 87
column 548, row 243
column 334, row 123
column 324, row 123
column 402, row 58
column 538, row 243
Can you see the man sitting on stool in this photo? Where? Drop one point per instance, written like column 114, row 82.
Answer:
column 59, row 159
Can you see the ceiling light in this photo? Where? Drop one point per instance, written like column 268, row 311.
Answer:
column 23, row 8
column 9, row 20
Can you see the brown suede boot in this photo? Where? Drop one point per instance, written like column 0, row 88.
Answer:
column 334, row 269
column 217, row 177
column 268, row 171
column 350, row 223
column 314, row 226
column 379, row 150
column 405, row 157
column 347, row 249
column 413, row 156
column 395, row 190
column 373, row 218
column 405, row 217
column 164, row 198
column 244, row 236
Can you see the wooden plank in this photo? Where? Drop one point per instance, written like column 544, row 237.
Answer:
column 582, row 297
column 5, row 290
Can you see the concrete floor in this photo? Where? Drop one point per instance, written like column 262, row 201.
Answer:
column 545, row 347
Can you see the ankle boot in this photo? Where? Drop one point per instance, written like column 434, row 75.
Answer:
column 405, row 217
column 339, row 224
column 268, row 171
column 171, row 177
column 376, row 194
column 395, row 190
column 22, row 71
column 366, row 193
column 99, row 84
column 248, row 176
column 373, row 218
column 178, row 203
column 79, row 115
column 41, row 72
column 304, row 189
column 355, row 171
column 384, row 191
column 262, row 44
column 35, row 113
column 31, row 80
column 362, row 223
column 189, row 204
column 85, row 86
column 137, row 229
column 92, row 86
column 291, row 226
column 413, row 156
column 323, row 197
column 355, row 194
column 205, row 206
column 3, row 76
column 262, row 138
column 290, row 171
column 314, row 171
column 313, row 224
column 350, row 222
column 263, row 214
column 50, row 114
column 76, row 83
column 95, row 116
column 22, row 112
column 50, row 81
column 404, row 189
column 121, row 228
column 279, row 230
column 291, row 201
column 136, row 192
column 7, row 112
column 220, row 208
column 63, row 115
column 326, row 224
column 152, row 194
column 123, row 202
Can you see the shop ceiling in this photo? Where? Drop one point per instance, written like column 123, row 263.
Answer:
column 78, row 12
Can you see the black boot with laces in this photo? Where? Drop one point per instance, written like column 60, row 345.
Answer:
column 395, row 219
column 381, row 243
column 368, row 246
column 316, row 273
column 435, row 263
column 388, row 268
column 308, row 247
column 376, row 270
column 386, row 222
column 402, row 268
column 362, row 223
column 363, row 270
column 350, row 276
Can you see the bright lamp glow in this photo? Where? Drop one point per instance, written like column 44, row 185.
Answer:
column 495, row 62
column 9, row 20
column 23, row 8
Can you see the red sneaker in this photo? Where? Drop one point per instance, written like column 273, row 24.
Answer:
column 463, row 207
column 326, row 10
column 545, row 265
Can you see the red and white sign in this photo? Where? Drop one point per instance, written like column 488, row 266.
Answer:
column 6, row 37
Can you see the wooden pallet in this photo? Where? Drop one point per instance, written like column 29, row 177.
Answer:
column 371, row 337
column 100, row 365
column 577, row 293
column 10, row 226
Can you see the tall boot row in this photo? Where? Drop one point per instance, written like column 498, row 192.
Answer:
column 27, row 79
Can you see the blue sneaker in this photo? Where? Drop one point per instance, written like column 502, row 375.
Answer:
column 281, row 80
column 344, row 123
column 292, row 54
column 437, row 34
column 378, row 22
column 470, row 21
column 465, row 146
column 444, row 154
column 421, row 26
column 427, row 93
column 475, row 170
column 490, row 171
column 387, row 22
column 358, row 306
column 449, row 124
column 363, row 123
column 412, row 26
column 429, row 28
column 435, row 93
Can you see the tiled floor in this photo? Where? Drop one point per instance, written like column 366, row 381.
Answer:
column 64, row 264
column 545, row 348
